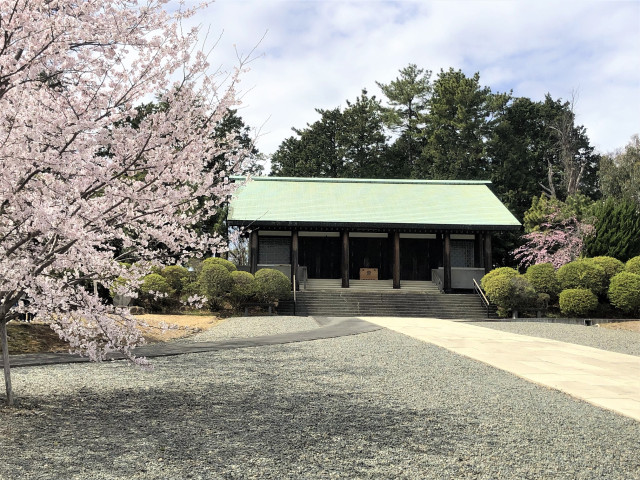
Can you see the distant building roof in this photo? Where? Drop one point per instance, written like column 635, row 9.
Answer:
column 364, row 203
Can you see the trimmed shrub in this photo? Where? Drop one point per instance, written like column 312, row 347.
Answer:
column 624, row 292
column 155, row 282
column 190, row 289
column 582, row 273
column 243, row 289
column 176, row 276
column 485, row 283
column 152, row 285
column 612, row 266
column 215, row 283
column 633, row 265
column 219, row 261
column 511, row 292
column 522, row 294
column 542, row 277
column 578, row 302
column 272, row 285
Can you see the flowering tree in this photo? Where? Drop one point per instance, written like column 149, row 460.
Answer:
column 559, row 240
column 77, row 180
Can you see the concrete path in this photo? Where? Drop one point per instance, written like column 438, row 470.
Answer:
column 607, row 379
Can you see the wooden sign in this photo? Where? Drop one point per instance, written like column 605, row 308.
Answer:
column 368, row 274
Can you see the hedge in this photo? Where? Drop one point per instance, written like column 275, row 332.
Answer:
column 215, row 282
column 176, row 276
column 624, row 292
column 154, row 282
column 272, row 285
column 578, row 302
column 542, row 277
column 219, row 261
column 633, row 265
column 612, row 266
column 244, row 288
column 582, row 274
column 487, row 280
column 511, row 292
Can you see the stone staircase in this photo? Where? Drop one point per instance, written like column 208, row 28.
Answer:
column 422, row 299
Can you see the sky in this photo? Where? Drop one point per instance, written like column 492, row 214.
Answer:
column 311, row 54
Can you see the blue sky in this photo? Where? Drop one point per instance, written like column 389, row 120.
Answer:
column 318, row 54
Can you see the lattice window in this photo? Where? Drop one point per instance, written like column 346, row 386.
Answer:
column 274, row 250
column 462, row 253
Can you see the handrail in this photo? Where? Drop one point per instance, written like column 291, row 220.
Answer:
column 482, row 296
column 435, row 278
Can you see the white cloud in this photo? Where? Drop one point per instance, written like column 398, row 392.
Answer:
column 317, row 54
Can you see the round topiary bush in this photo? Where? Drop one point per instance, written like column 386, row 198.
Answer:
column 243, row 289
column 542, row 277
column 612, row 266
column 215, row 283
column 624, row 292
column 633, row 265
column 510, row 292
column 176, row 276
column 485, row 283
column 155, row 293
column 522, row 295
column 578, row 302
column 219, row 261
column 272, row 285
column 155, row 283
column 582, row 273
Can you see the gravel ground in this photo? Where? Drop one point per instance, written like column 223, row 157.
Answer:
column 246, row 327
column 621, row 341
column 375, row 405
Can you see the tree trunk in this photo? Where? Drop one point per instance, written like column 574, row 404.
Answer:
column 5, row 360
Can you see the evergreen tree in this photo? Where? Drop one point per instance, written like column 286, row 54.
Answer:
column 617, row 230
column 619, row 173
column 363, row 139
column 340, row 144
column 408, row 97
column 460, row 120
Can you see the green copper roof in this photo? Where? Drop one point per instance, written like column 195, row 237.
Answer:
column 283, row 201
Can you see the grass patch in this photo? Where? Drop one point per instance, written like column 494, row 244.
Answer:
column 34, row 337
column 37, row 337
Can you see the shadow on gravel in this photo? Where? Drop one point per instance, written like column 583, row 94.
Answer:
column 232, row 430
column 346, row 408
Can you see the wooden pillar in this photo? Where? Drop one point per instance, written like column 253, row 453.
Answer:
column 344, row 269
column 396, row 259
column 478, row 246
column 253, row 251
column 294, row 258
column 447, row 262
column 488, row 257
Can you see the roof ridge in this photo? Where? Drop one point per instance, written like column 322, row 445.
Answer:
column 362, row 180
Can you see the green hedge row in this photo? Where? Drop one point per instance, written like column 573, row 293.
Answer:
column 578, row 286
column 216, row 281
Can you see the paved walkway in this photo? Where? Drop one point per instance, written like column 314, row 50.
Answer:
column 607, row 379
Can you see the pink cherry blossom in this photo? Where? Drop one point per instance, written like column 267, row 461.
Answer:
column 559, row 241
column 70, row 73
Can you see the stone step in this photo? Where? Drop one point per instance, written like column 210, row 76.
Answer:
column 351, row 303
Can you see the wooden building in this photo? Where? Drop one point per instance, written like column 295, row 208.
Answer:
column 437, row 230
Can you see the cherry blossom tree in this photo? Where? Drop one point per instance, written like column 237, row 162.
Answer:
column 82, row 190
column 559, row 240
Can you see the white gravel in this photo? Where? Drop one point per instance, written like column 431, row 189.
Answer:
column 621, row 341
column 376, row 405
column 248, row 327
